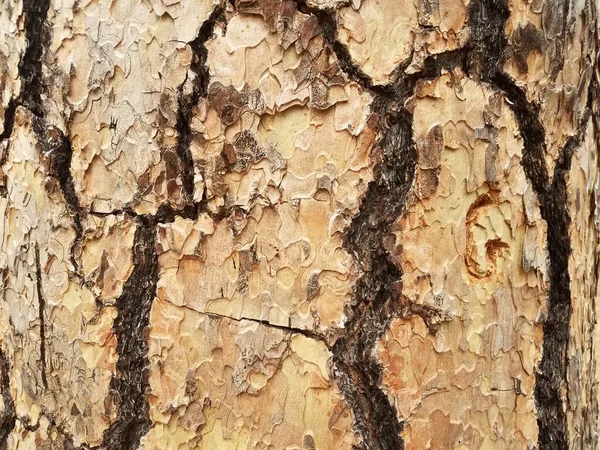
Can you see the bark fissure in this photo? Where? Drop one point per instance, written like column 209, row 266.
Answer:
column 377, row 298
column 30, row 66
column 41, row 315
column 60, row 154
column 130, row 383
column 328, row 24
column 488, row 20
column 8, row 415
column 186, row 103
column 377, row 292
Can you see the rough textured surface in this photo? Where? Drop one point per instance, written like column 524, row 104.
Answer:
column 473, row 258
column 582, row 185
column 299, row 224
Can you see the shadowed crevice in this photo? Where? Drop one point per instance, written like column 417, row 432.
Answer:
column 60, row 153
column 41, row 314
column 328, row 24
column 8, row 416
column 187, row 102
column 488, row 20
column 377, row 292
column 129, row 386
column 377, row 296
column 30, row 66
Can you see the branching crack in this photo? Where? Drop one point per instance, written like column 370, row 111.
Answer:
column 488, row 19
column 328, row 24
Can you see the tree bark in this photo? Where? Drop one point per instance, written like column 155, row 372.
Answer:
column 313, row 224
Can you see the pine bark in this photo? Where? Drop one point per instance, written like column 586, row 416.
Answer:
column 318, row 224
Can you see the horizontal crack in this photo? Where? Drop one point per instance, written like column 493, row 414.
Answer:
column 307, row 333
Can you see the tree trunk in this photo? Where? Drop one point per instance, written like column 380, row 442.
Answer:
column 317, row 224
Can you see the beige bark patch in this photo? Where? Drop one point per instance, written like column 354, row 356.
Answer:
column 223, row 383
column 70, row 383
column 473, row 255
column 379, row 34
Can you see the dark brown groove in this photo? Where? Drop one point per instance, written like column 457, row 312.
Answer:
column 41, row 314
column 487, row 19
column 8, row 416
column 56, row 146
column 9, row 123
column 60, row 154
column 377, row 292
column 186, row 103
column 328, row 24
column 128, row 387
column 30, row 66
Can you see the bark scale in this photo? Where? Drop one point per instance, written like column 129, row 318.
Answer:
column 312, row 224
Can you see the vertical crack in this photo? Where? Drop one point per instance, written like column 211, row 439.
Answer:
column 130, row 383
column 488, row 20
column 60, row 154
column 8, row 416
column 377, row 292
column 41, row 314
column 377, row 296
column 30, row 66
column 186, row 103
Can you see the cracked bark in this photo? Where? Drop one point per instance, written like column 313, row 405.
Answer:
column 130, row 384
column 233, row 172
column 8, row 415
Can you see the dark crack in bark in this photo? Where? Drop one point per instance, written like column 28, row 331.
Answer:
column 41, row 314
column 186, row 103
column 30, row 66
column 306, row 333
column 130, row 383
column 9, row 123
column 59, row 153
column 328, row 24
column 8, row 416
column 377, row 297
column 488, row 20
column 377, row 292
